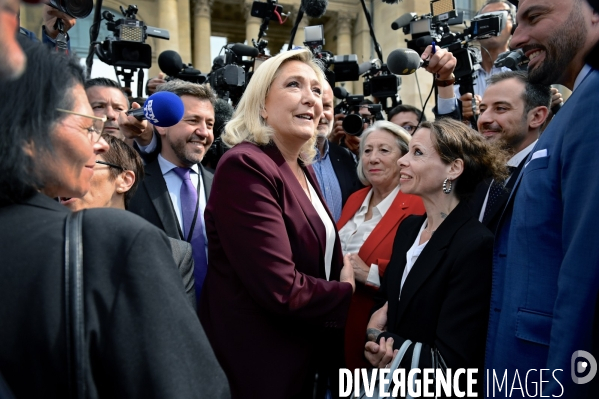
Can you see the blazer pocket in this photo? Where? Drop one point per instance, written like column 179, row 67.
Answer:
column 533, row 326
column 537, row 163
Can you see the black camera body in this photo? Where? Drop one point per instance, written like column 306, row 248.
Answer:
column 353, row 122
column 430, row 28
column 127, row 47
column 229, row 72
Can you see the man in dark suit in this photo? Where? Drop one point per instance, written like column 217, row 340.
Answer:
column 512, row 112
column 544, row 309
column 175, row 189
column 334, row 166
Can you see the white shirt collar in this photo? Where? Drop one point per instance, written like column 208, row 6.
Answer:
column 166, row 166
column 519, row 157
column 581, row 75
column 382, row 206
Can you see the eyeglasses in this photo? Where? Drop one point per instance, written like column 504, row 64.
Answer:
column 110, row 164
column 95, row 131
column 409, row 128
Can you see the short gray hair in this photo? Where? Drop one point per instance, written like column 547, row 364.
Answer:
column 402, row 138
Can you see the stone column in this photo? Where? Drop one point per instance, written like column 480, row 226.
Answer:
column 168, row 19
column 252, row 25
column 201, row 42
column 184, row 30
column 344, row 47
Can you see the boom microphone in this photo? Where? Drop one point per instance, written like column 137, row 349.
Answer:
column 170, row 62
column 404, row 61
column 241, row 50
column 315, row 8
column 162, row 109
column 404, row 20
column 340, row 92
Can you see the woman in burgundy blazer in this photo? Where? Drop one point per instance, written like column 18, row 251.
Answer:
column 276, row 296
column 377, row 248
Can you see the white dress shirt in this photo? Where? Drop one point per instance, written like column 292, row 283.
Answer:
column 356, row 231
column 328, row 226
column 412, row 255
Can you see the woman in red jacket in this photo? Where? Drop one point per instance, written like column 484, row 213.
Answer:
column 368, row 224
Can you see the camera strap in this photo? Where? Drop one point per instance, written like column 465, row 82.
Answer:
column 62, row 38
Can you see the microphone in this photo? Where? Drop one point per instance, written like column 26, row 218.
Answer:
column 340, row 92
column 162, row 109
column 241, row 50
column 364, row 67
column 223, row 112
column 314, row 8
column 404, row 20
column 170, row 62
column 404, row 61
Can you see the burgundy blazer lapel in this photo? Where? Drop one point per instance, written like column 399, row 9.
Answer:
column 294, row 186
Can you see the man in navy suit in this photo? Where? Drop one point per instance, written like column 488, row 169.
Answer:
column 544, row 304
column 512, row 112
column 160, row 199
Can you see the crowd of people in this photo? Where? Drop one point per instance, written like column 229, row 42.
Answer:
column 306, row 250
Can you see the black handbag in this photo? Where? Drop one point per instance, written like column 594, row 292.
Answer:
column 74, row 312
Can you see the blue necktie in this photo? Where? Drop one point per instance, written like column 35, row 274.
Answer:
column 189, row 204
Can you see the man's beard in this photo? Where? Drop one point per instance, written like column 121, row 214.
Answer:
column 185, row 156
column 562, row 47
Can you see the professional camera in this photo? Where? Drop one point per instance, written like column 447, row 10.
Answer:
column 434, row 28
column 228, row 76
column 74, row 8
column 353, row 122
column 344, row 67
column 514, row 60
column 128, row 48
column 379, row 82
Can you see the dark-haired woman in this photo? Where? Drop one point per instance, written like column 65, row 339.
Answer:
column 436, row 288
column 141, row 338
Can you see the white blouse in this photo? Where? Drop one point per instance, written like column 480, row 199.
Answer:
column 356, row 230
column 412, row 255
column 328, row 226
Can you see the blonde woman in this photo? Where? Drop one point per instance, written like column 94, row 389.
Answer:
column 276, row 289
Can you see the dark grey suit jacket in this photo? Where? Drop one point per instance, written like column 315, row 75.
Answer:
column 153, row 203
column 143, row 339
column 182, row 253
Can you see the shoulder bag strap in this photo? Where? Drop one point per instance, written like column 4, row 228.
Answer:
column 73, row 278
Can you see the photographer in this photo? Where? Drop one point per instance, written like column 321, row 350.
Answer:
column 490, row 50
column 50, row 32
column 342, row 137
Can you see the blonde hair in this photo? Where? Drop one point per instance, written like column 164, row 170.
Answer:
column 402, row 138
column 247, row 124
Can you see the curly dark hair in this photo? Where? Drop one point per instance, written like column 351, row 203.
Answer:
column 454, row 140
column 28, row 119
column 121, row 154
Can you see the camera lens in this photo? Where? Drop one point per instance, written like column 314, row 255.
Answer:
column 353, row 124
column 75, row 8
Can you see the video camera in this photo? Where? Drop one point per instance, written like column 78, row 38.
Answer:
column 514, row 60
column 228, row 76
column 172, row 65
column 127, row 48
column 434, row 27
